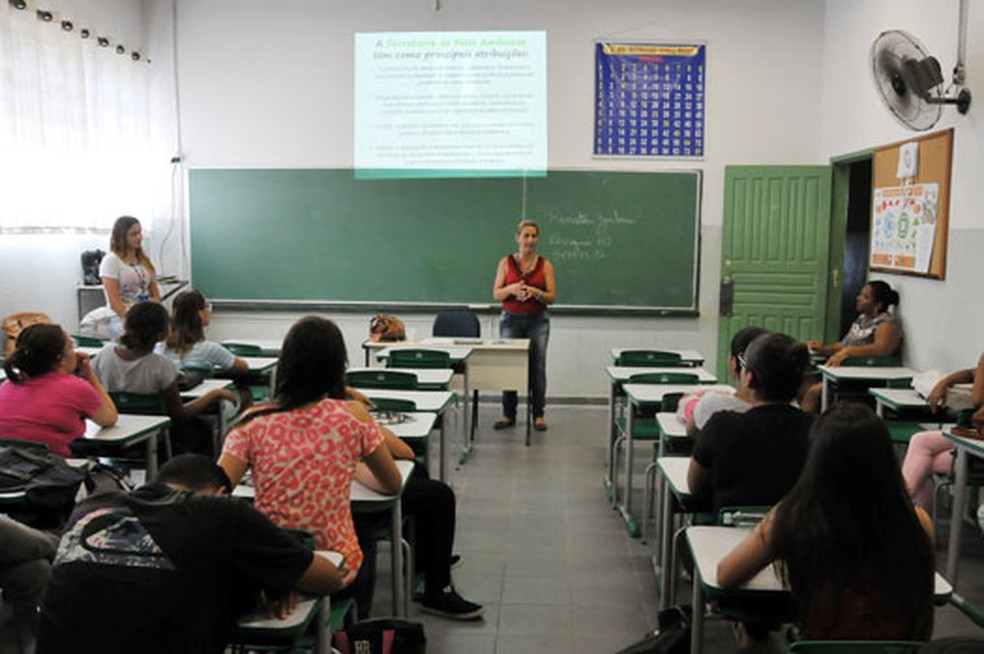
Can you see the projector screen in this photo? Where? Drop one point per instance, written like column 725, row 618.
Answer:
column 450, row 104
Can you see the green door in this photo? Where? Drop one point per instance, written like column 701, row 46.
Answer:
column 775, row 251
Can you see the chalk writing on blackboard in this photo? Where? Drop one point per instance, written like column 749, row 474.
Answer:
column 582, row 236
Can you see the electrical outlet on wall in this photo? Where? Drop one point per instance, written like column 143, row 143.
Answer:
column 908, row 160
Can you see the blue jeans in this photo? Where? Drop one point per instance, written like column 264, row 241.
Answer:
column 536, row 327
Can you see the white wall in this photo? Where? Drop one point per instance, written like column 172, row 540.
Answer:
column 944, row 320
column 270, row 85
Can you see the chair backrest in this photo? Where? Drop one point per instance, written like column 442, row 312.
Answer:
column 670, row 402
column 418, row 358
column 741, row 516
column 88, row 341
column 244, row 349
column 650, row 358
column 381, row 378
column 894, row 360
column 33, row 445
column 664, row 378
column 848, row 646
column 456, row 322
column 391, row 404
column 139, row 403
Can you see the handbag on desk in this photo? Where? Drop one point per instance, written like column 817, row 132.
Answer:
column 385, row 328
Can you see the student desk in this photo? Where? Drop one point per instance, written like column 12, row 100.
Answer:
column 709, row 545
column 646, row 395
column 904, row 400
column 130, row 430
column 427, row 379
column 673, row 483
column 415, row 426
column 494, row 365
column 617, row 376
column 689, row 358
column 369, row 501
column 260, row 364
column 201, row 389
column 459, row 356
column 258, row 627
column 966, row 448
column 436, row 402
column 868, row 375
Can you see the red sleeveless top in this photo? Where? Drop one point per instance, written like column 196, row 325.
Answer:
column 536, row 278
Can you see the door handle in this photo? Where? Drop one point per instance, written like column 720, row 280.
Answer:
column 727, row 297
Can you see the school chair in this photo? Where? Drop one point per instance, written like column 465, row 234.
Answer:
column 244, row 349
column 894, row 360
column 649, row 359
column 850, row 646
column 151, row 404
column 943, row 483
column 88, row 341
column 418, row 358
column 381, row 378
column 462, row 323
column 300, row 633
column 670, row 403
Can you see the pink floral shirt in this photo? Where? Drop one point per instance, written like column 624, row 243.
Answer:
column 303, row 464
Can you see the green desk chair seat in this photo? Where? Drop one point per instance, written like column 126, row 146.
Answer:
column 17, row 442
column 649, row 359
column 244, row 349
column 418, row 358
column 664, row 378
column 850, row 646
column 381, row 378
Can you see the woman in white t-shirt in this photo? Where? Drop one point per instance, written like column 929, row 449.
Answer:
column 186, row 344
column 713, row 401
column 127, row 274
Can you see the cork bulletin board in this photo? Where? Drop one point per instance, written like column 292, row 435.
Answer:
column 911, row 215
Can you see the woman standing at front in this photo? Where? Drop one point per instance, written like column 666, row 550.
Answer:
column 524, row 283
column 127, row 274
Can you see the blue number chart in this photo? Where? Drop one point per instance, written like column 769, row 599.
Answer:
column 649, row 100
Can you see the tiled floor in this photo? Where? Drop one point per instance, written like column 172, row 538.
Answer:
column 553, row 563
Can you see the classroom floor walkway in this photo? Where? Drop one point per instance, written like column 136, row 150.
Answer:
column 553, row 563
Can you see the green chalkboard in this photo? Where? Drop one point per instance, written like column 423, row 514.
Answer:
column 617, row 240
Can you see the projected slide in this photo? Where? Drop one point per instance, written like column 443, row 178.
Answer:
column 450, row 104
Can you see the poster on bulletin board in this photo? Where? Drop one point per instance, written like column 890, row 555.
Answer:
column 904, row 227
column 649, row 100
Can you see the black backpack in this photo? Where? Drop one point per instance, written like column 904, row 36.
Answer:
column 673, row 636
column 381, row 636
column 40, row 486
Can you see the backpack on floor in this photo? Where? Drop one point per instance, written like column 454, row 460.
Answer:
column 381, row 636
column 673, row 636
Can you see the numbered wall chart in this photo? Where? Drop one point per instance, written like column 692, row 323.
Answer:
column 649, row 99
column 904, row 227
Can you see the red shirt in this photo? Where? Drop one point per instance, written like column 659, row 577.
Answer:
column 535, row 277
column 49, row 409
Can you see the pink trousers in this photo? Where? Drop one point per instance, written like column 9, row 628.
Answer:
column 929, row 452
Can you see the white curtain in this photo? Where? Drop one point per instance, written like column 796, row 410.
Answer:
column 79, row 141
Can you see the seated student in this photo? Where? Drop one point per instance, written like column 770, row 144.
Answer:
column 304, row 447
column 132, row 367
column 170, row 566
column 42, row 399
column 711, row 402
column 186, row 344
column 25, row 568
column 754, row 458
column 876, row 332
column 855, row 552
column 931, row 451
column 431, row 506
